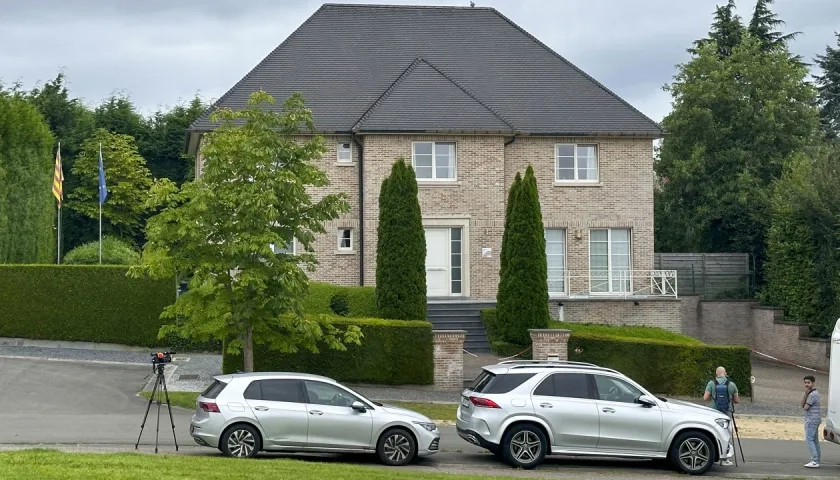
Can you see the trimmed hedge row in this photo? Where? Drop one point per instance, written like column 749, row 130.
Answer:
column 665, row 367
column 82, row 303
column 361, row 301
column 393, row 352
column 663, row 362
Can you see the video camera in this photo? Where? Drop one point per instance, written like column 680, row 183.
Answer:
column 160, row 358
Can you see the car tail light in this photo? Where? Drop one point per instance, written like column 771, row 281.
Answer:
column 484, row 402
column 209, row 407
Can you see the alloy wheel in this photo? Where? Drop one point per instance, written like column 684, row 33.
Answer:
column 694, row 454
column 397, row 447
column 525, row 447
column 241, row 443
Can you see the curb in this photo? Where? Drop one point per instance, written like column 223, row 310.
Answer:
column 49, row 359
column 25, row 342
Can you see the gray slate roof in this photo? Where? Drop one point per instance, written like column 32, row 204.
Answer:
column 385, row 68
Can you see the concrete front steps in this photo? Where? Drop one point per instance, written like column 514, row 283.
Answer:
column 461, row 315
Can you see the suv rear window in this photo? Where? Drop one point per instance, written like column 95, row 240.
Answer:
column 214, row 389
column 488, row 382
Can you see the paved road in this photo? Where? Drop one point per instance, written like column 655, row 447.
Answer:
column 94, row 407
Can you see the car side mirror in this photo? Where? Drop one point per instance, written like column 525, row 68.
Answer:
column 646, row 401
column 359, row 407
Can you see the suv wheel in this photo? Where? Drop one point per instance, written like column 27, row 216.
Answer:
column 692, row 453
column 396, row 448
column 524, row 446
column 240, row 441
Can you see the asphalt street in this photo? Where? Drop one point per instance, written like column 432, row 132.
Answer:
column 94, row 407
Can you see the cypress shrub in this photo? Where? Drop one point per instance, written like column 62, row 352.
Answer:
column 400, row 248
column 522, row 299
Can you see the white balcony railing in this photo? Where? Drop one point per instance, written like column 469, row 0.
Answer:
column 613, row 283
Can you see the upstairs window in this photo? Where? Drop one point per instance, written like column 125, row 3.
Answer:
column 434, row 160
column 345, row 153
column 576, row 162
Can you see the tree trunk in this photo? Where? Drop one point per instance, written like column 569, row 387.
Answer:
column 248, row 350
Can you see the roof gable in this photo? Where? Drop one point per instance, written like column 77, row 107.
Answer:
column 424, row 98
column 349, row 62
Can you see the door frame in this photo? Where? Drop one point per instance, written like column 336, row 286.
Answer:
column 463, row 223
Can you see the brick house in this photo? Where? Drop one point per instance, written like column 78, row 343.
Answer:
column 470, row 98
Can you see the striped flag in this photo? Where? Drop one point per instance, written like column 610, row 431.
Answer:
column 58, row 178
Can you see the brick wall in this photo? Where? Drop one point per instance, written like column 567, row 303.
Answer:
column 623, row 198
column 449, row 359
column 550, row 342
column 744, row 322
column 661, row 312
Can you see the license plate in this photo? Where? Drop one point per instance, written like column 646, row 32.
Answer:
column 465, row 402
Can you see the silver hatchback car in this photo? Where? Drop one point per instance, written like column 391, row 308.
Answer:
column 245, row 413
column 523, row 410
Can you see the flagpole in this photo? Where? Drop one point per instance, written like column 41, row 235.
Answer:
column 58, row 239
column 100, row 209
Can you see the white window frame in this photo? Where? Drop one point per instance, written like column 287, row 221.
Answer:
column 612, row 274
column 434, row 177
column 552, row 293
column 339, row 149
column 292, row 250
column 341, row 237
column 576, row 178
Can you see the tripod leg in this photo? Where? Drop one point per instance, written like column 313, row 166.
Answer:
column 171, row 419
column 148, row 406
column 157, row 431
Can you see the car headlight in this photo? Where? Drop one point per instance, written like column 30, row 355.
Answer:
column 723, row 422
column 428, row 426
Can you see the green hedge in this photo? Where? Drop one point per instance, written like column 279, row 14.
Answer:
column 393, row 352
column 663, row 362
column 361, row 300
column 665, row 367
column 81, row 303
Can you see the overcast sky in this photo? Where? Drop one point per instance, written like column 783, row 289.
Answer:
column 161, row 52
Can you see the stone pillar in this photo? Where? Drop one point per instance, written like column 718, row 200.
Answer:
column 550, row 343
column 449, row 359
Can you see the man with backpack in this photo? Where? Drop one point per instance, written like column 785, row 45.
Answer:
column 723, row 394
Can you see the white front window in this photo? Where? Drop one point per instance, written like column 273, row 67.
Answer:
column 576, row 162
column 609, row 260
column 555, row 254
column 433, row 160
column 345, row 239
column 289, row 248
column 345, row 153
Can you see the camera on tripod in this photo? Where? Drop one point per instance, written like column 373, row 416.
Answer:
column 162, row 357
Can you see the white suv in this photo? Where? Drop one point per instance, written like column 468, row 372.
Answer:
column 245, row 413
column 523, row 410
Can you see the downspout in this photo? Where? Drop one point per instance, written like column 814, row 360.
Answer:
column 361, row 208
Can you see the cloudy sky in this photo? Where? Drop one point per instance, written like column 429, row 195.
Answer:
column 161, row 52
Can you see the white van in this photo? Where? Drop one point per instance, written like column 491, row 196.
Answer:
column 831, row 432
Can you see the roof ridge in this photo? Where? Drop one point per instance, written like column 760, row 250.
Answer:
column 397, row 6
column 417, row 61
column 386, row 93
column 575, row 67
column 472, row 95
column 263, row 61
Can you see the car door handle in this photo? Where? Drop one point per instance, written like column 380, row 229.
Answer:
column 546, row 405
column 608, row 410
column 261, row 409
column 316, row 412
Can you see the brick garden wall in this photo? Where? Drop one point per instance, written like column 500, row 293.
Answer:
column 745, row 322
column 662, row 313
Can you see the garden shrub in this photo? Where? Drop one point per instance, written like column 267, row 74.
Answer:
column 361, row 301
column 114, row 252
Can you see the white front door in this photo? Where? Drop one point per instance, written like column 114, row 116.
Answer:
column 437, row 262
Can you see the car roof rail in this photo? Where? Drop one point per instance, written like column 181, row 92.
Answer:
column 545, row 362
column 562, row 365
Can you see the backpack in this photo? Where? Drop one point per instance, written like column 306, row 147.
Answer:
column 722, row 396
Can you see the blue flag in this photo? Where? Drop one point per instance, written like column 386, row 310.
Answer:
column 103, row 190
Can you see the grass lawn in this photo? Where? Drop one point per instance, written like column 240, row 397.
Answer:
column 435, row 411
column 52, row 465
column 626, row 332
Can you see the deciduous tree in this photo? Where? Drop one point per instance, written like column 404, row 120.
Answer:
column 218, row 231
